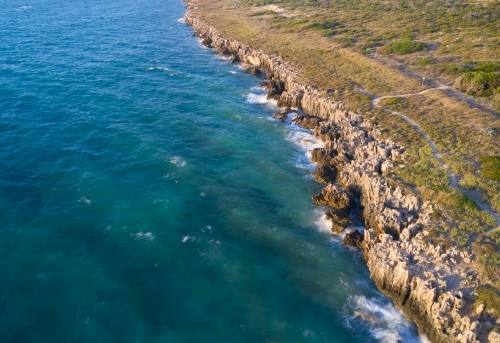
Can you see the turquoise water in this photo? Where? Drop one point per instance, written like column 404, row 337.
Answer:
column 147, row 196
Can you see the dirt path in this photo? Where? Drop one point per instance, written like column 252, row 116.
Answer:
column 453, row 179
column 435, row 84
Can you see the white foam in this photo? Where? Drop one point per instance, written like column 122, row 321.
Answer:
column 348, row 229
column 322, row 223
column 232, row 72
column 384, row 322
column 257, row 98
column 181, row 20
column 23, row 8
column 261, row 99
column 258, row 90
column 85, row 200
column 157, row 68
column 185, row 239
column 304, row 141
column 178, row 161
column 147, row 235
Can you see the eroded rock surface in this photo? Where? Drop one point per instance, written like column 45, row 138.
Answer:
column 325, row 174
column 334, row 196
column 432, row 286
column 340, row 219
column 353, row 239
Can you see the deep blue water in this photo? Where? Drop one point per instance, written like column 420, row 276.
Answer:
column 147, row 196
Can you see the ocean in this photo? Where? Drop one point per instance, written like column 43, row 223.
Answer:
column 148, row 196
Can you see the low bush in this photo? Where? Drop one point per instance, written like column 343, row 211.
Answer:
column 404, row 47
column 478, row 83
column 490, row 297
column 263, row 12
column 490, row 167
column 424, row 61
column 488, row 67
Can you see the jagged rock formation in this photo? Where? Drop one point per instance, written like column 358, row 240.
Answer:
column 325, row 174
column 340, row 219
column 433, row 287
column 353, row 239
column 334, row 196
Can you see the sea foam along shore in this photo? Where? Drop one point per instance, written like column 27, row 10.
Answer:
column 431, row 286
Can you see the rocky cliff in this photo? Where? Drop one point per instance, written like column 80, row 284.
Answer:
column 433, row 287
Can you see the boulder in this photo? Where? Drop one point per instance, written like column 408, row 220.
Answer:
column 334, row 196
column 340, row 219
column 353, row 239
column 306, row 122
column 206, row 43
column 274, row 89
column 252, row 69
column 494, row 337
column 234, row 59
column 226, row 53
column 281, row 116
column 323, row 157
column 325, row 174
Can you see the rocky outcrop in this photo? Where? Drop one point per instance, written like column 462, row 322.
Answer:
column 282, row 116
column 340, row 219
column 325, row 174
column 306, row 122
column 494, row 337
column 353, row 239
column 433, row 287
column 334, row 196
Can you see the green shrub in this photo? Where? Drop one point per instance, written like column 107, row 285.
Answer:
column 488, row 67
column 490, row 297
column 345, row 40
column 392, row 101
column 452, row 69
column 327, row 33
column 264, row 12
column 424, row 61
column 404, row 47
column 478, row 83
column 490, row 167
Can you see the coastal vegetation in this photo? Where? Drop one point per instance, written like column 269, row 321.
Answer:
column 360, row 50
column 490, row 167
column 404, row 47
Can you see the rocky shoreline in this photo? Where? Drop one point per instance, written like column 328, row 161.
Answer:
column 433, row 286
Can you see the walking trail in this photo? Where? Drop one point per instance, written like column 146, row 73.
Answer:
column 453, row 179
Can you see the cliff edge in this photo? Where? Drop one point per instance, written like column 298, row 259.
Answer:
column 432, row 285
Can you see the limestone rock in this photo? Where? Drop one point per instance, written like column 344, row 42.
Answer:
column 281, row 116
column 334, row 196
column 323, row 157
column 234, row 59
column 494, row 337
column 325, row 174
column 206, row 43
column 306, row 122
column 353, row 239
column 340, row 219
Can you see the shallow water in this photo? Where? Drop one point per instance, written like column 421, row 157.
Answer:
column 147, row 196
